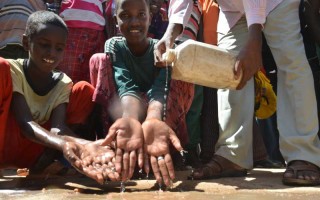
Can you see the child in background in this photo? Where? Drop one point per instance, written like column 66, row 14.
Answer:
column 13, row 19
column 127, row 72
column 159, row 21
column 86, row 24
column 37, row 102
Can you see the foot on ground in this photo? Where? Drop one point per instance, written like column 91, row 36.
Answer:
column 218, row 167
column 301, row 173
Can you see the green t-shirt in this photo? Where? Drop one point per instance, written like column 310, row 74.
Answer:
column 136, row 75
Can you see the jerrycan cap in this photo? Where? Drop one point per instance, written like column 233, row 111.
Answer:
column 169, row 56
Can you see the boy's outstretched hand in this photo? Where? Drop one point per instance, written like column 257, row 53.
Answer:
column 157, row 137
column 127, row 133
column 92, row 160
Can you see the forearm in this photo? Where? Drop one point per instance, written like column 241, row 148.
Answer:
column 172, row 32
column 131, row 107
column 255, row 36
column 38, row 134
column 155, row 110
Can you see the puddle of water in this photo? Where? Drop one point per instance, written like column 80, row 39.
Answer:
column 167, row 195
column 262, row 185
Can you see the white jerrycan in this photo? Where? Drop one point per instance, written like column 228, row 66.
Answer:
column 203, row 64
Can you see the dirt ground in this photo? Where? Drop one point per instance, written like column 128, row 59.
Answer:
column 262, row 184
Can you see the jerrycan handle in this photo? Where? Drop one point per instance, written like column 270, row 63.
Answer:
column 169, row 56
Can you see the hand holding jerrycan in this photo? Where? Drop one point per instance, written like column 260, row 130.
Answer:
column 203, row 64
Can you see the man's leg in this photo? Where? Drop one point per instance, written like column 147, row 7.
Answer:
column 296, row 108
column 236, row 108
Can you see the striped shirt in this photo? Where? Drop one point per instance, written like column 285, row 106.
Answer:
column 192, row 27
column 83, row 13
column 230, row 12
column 13, row 18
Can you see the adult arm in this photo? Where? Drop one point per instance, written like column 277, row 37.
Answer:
column 179, row 14
column 249, row 59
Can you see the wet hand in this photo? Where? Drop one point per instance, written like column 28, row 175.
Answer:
column 157, row 137
column 92, row 160
column 128, row 137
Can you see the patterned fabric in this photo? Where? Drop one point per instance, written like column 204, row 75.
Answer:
column 102, row 79
column 83, row 14
column 13, row 18
column 192, row 27
column 82, row 44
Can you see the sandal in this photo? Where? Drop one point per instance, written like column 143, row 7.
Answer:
column 218, row 167
column 294, row 168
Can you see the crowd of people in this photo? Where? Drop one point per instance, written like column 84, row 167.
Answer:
column 84, row 83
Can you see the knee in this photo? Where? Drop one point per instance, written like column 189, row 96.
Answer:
column 96, row 61
column 84, row 88
column 4, row 67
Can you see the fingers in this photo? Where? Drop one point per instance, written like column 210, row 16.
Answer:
column 125, row 166
column 93, row 173
column 110, row 136
column 164, row 171
column 239, row 69
column 169, row 165
column 155, row 169
column 146, row 164
column 69, row 154
column 132, row 163
column 140, row 157
column 118, row 160
column 159, row 49
column 109, row 172
column 174, row 140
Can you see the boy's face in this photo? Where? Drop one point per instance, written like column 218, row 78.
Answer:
column 133, row 18
column 46, row 47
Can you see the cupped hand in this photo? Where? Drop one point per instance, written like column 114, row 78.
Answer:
column 127, row 133
column 92, row 160
column 157, row 138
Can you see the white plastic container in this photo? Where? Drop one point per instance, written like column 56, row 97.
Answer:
column 203, row 64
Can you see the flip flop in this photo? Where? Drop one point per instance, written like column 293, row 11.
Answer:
column 295, row 169
column 218, row 167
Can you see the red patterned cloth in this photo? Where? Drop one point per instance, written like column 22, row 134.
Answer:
column 178, row 102
column 82, row 44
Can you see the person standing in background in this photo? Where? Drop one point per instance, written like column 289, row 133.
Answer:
column 86, row 24
column 240, row 28
column 13, row 18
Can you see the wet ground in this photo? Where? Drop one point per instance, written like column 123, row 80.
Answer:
column 262, row 184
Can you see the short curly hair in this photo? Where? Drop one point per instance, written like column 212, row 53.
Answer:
column 118, row 1
column 43, row 17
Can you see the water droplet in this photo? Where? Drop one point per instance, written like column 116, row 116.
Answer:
column 122, row 187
